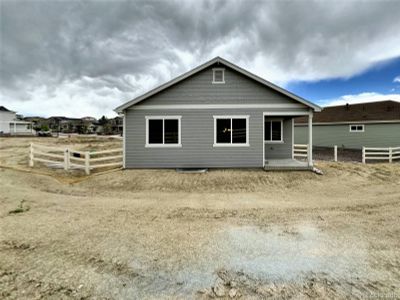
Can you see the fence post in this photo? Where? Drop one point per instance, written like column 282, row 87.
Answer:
column 363, row 155
column 31, row 155
column 66, row 159
column 87, row 163
column 335, row 153
column 390, row 155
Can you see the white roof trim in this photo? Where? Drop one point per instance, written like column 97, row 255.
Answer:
column 219, row 106
column 217, row 59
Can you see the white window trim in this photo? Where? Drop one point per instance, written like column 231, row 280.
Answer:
column 281, row 141
column 147, row 145
column 355, row 131
column 231, row 144
column 223, row 76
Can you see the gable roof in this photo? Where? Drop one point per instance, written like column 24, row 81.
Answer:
column 2, row 108
column 374, row 111
column 220, row 60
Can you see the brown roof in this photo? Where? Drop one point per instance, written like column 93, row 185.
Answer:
column 374, row 111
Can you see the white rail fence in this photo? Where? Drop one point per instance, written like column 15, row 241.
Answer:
column 74, row 159
column 300, row 150
column 390, row 154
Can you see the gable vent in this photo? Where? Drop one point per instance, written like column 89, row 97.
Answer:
column 218, row 75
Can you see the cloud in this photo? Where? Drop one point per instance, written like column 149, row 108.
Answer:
column 361, row 98
column 54, row 52
column 396, row 79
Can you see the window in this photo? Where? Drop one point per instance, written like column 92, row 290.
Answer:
column 273, row 131
column 231, row 131
column 356, row 128
column 163, row 131
column 218, row 75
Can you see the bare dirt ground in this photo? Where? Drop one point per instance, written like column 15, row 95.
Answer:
column 150, row 234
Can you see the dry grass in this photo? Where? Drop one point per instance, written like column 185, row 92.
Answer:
column 161, row 234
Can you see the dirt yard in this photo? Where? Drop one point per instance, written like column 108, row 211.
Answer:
column 146, row 234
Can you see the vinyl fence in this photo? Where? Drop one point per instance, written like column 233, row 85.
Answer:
column 73, row 159
column 389, row 154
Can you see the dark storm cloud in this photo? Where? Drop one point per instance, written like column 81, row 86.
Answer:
column 112, row 50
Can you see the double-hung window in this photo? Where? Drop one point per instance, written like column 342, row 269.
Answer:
column 163, row 131
column 231, row 131
column 273, row 131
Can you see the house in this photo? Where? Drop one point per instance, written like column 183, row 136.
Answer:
column 217, row 115
column 111, row 126
column 10, row 124
column 64, row 124
column 352, row 126
column 116, row 125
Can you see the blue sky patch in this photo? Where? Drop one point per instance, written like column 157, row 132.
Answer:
column 377, row 79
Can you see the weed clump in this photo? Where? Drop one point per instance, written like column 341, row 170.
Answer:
column 20, row 209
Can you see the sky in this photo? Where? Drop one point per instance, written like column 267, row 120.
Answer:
column 85, row 58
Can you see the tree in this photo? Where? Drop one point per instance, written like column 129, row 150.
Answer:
column 44, row 127
column 103, row 120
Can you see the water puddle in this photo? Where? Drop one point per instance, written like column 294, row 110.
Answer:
column 273, row 254
column 289, row 255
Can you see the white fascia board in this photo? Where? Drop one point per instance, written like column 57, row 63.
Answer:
column 220, row 106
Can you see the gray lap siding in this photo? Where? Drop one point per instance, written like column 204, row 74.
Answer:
column 284, row 149
column 374, row 135
column 238, row 89
column 197, row 138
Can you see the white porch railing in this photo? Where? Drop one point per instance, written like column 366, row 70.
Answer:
column 390, row 154
column 73, row 159
column 300, row 150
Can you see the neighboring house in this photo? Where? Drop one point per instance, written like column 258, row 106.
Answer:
column 116, row 125
column 36, row 121
column 68, row 125
column 89, row 124
column 375, row 124
column 85, row 125
column 111, row 126
column 217, row 115
column 11, row 125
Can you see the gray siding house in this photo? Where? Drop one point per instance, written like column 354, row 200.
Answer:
column 217, row 115
column 375, row 124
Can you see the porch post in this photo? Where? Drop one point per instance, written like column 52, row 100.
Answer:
column 309, row 153
column 123, row 140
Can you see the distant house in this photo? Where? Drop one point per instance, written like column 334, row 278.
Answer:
column 89, row 125
column 111, row 126
column 70, row 125
column 10, row 124
column 217, row 115
column 116, row 125
column 375, row 124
